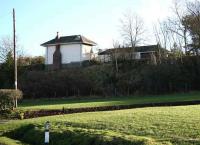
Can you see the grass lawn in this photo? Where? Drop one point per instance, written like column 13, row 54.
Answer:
column 146, row 126
column 77, row 103
column 8, row 141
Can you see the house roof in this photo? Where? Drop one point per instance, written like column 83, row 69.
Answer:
column 148, row 48
column 70, row 39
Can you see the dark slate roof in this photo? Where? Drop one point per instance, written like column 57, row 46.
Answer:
column 70, row 39
column 129, row 49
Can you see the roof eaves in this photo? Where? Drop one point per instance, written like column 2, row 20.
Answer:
column 85, row 40
column 53, row 44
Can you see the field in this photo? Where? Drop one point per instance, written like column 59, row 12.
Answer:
column 146, row 126
column 142, row 126
column 97, row 102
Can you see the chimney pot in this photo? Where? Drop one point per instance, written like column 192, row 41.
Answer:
column 57, row 35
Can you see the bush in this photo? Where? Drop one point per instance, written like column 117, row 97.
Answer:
column 70, row 82
column 7, row 97
column 133, row 77
column 90, row 63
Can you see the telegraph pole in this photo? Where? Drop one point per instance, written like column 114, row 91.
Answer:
column 15, row 57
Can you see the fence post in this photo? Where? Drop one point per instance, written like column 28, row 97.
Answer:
column 46, row 134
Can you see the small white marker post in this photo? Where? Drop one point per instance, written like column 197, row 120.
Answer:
column 46, row 134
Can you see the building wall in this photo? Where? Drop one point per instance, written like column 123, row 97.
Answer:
column 71, row 53
column 49, row 55
column 86, row 52
column 104, row 58
column 137, row 55
column 107, row 58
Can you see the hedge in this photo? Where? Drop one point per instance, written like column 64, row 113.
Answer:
column 133, row 78
column 7, row 97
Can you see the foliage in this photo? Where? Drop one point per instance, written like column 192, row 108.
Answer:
column 7, row 72
column 90, row 63
column 191, row 21
column 7, row 98
column 25, row 61
column 11, row 114
column 24, row 64
column 133, row 77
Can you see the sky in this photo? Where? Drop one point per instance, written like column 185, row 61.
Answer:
column 37, row 21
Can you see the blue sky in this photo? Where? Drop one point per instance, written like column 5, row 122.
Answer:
column 38, row 21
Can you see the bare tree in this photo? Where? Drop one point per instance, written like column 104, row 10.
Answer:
column 116, row 45
column 132, row 27
column 161, row 33
column 178, row 31
column 6, row 46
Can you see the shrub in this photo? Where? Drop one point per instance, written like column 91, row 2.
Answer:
column 133, row 77
column 7, row 97
column 18, row 114
column 90, row 63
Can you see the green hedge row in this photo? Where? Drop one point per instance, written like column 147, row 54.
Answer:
column 136, row 77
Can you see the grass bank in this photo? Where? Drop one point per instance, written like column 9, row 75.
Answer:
column 50, row 104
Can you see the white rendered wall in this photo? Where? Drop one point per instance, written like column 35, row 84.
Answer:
column 49, row 54
column 70, row 53
column 137, row 55
column 86, row 52
column 104, row 58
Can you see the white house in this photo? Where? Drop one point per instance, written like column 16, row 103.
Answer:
column 67, row 50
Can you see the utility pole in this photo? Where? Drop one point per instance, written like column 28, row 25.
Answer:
column 15, row 57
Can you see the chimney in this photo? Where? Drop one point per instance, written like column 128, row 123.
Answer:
column 57, row 36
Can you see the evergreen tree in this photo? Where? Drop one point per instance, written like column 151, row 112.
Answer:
column 7, row 72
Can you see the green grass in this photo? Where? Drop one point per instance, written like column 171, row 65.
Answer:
column 8, row 141
column 86, row 102
column 147, row 126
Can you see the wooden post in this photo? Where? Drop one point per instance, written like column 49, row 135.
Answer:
column 15, row 57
